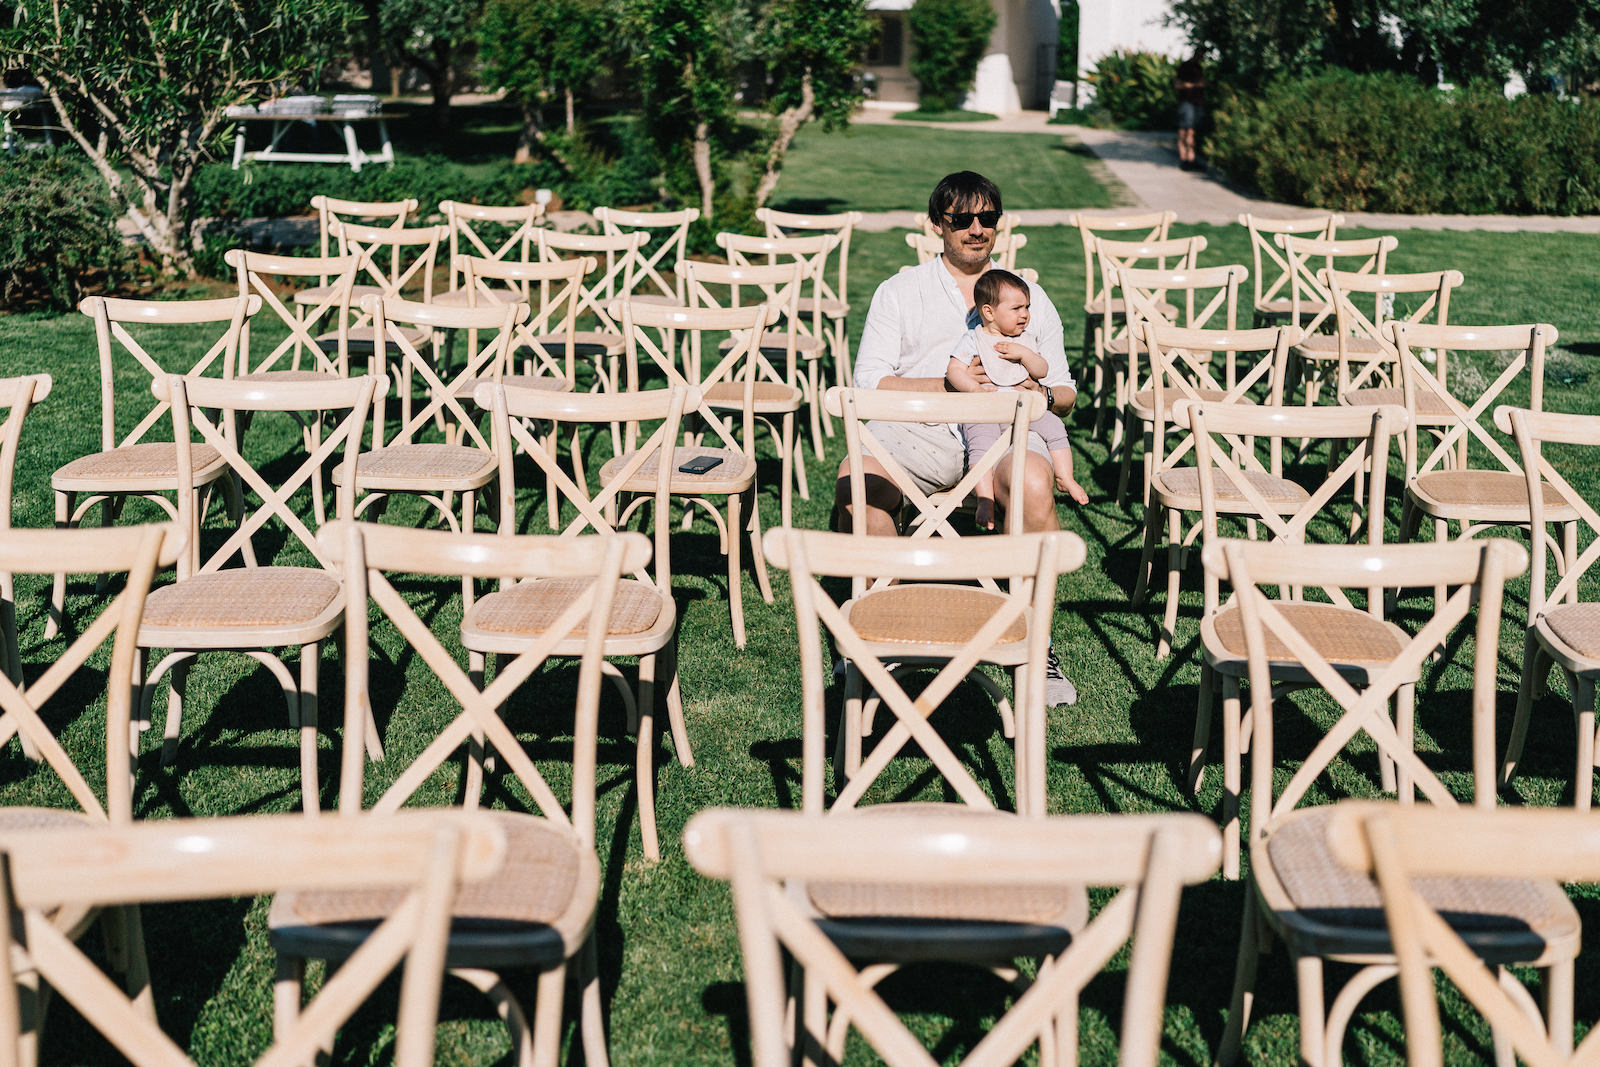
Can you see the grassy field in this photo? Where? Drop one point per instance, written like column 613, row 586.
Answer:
column 669, row 954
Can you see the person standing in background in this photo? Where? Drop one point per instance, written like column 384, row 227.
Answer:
column 1190, row 82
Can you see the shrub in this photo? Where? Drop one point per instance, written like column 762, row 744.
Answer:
column 58, row 226
column 274, row 190
column 950, row 38
column 1383, row 142
column 1136, row 89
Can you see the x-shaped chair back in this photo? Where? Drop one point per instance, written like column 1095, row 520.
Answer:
column 1182, row 363
column 412, row 254
column 212, row 407
column 1228, row 440
column 1531, row 430
column 116, row 321
column 741, row 284
column 1144, row 228
column 1175, row 255
column 445, row 399
column 331, row 209
column 768, row 855
column 1465, row 421
column 426, row 854
column 1397, row 845
column 369, row 553
column 859, row 407
column 330, row 314
column 1351, row 321
column 1210, row 300
column 654, row 270
column 511, row 411
column 140, row 552
column 550, row 291
column 1266, row 257
column 842, row 225
column 809, row 253
column 489, row 232
column 618, row 253
column 1031, row 562
column 17, row 396
column 1479, row 568
column 1310, row 302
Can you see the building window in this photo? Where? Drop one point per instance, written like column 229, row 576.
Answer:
column 888, row 48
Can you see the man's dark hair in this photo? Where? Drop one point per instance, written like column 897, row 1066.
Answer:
column 965, row 189
column 992, row 282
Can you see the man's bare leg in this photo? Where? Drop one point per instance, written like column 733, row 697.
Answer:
column 1038, row 493
column 883, row 499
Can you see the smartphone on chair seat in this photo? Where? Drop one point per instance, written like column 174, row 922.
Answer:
column 700, row 465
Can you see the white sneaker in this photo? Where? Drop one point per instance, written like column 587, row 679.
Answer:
column 1058, row 688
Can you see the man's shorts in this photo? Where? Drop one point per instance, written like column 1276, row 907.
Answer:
column 931, row 454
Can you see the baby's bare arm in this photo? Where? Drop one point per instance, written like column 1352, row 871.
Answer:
column 1031, row 361
column 961, row 378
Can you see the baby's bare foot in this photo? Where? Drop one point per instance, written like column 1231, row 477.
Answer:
column 1072, row 488
column 984, row 513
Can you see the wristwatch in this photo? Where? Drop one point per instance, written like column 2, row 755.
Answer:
column 1049, row 399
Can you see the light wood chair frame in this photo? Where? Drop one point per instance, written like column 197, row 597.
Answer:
column 1311, row 305
column 619, row 255
column 656, row 270
column 332, row 308
column 464, row 221
column 1270, row 300
column 834, row 297
column 17, row 396
column 550, row 290
column 330, row 210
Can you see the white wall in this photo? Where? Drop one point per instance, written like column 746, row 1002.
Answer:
column 1130, row 25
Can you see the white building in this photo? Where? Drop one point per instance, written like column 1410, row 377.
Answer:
column 1018, row 70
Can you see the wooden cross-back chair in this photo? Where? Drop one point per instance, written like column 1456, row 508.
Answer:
column 1207, row 298
column 617, row 256
column 932, row 619
column 319, row 330
column 1312, row 306
column 668, row 233
column 1561, row 626
column 502, row 234
column 772, row 857
column 1407, row 850
column 538, row 912
column 833, row 296
column 1298, row 893
column 644, row 621
column 1274, row 299
column 259, row 605
column 1233, row 481
column 412, row 253
column 932, row 511
column 780, row 388
column 682, row 345
column 423, row 859
column 331, row 210
column 1107, row 343
column 550, row 291
column 127, row 464
column 1142, row 227
column 17, row 396
column 1367, row 377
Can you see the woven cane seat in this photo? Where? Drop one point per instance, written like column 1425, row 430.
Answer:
column 246, row 598
column 1144, row 401
column 1500, row 490
column 1326, row 346
column 930, row 614
column 731, row 476
column 767, row 396
column 416, row 336
column 834, row 309
column 1325, row 892
column 1285, row 306
column 404, row 466
column 584, row 342
column 777, row 343
column 1577, row 626
column 150, row 461
column 1177, row 485
column 1340, row 635
column 1429, row 402
column 318, row 293
column 531, row 607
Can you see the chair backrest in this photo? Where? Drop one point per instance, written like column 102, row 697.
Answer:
column 331, row 209
column 1182, row 368
column 308, row 326
column 841, row 224
column 1229, row 439
column 811, row 253
column 212, row 407
column 140, row 552
column 17, row 396
column 1272, row 638
column 740, row 284
column 768, row 855
column 1143, row 227
column 412, row 254
column 490, row 232
column 1350, row 321
column 118, row 321
column 1266, row 258
column 446, row 400
column 1464, row 420
column 1397, row 845
column 1016, row 410
column 682, row 343
column 369, row 552
column 1178, row 255
column 1531, row 430
column 1006, row 246
column 426, row 856
column 551, row 292
column 655, row 269
column 567, row 414
column 617, row 253
column 1032, row 562
column 1210, row 300
column 1310, row 303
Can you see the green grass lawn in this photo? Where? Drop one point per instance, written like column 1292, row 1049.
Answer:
column 669, row 954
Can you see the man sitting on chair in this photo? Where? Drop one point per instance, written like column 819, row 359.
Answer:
column 912, row 328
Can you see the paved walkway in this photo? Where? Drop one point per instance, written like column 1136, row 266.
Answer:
column 1147, row 164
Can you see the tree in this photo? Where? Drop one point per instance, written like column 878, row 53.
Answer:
column 950, row 37
column 427, row 35
column 812, row 48
column 539, row 50
column 142, row 88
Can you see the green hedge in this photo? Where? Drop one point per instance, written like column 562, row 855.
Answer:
column 1382, row 142
column 1136, row 90
column 59, row 225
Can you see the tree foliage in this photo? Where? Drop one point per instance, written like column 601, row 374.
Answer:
column 950, row 38
column 143, row 87
column 543, row 50
column 429, row 35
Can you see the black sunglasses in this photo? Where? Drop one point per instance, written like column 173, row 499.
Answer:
column 961, row 220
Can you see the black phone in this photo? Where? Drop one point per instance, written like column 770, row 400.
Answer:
column 700, row 464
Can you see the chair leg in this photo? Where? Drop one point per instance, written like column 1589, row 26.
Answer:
column 287, row 986
column 1583, row 713
column 1534, row 665
column 786, row 454
column 675, row 721
column 1558, row 998
column 1244, row 982
column 1147, row 555
column 1232, row 777
column 814, row 404
column 57, row 618
column 1308, row 977
column 1202, row 727
column 757, row 555
column 547, row 1017
column 1169, row 621
column 644, row 768
column 735, row 589
column 1124, row 440
column 177, row 685
column 506, row 1006
column 592, row 1021
column 310, row 791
